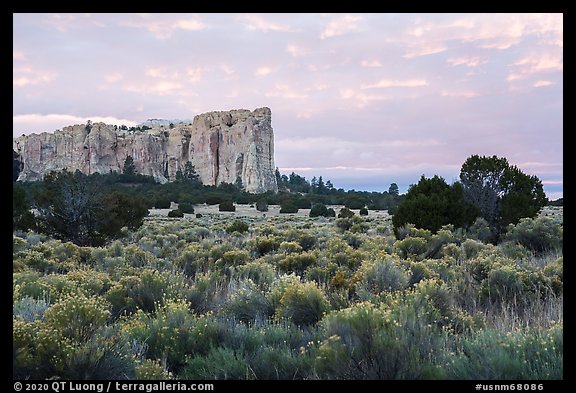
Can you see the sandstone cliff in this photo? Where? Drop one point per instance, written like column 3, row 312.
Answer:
column 221, row 145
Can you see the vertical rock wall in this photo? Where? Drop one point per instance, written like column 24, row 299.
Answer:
column 223, row 146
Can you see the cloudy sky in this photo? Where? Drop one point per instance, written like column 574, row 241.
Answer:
column 362, row 99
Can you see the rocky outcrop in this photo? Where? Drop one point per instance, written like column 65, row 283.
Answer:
column 222, row 146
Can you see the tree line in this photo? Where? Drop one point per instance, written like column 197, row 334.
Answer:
column 91, row 209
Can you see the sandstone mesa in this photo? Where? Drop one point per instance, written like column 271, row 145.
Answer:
column 223, row 146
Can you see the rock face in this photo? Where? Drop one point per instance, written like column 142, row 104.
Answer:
column 222, row 146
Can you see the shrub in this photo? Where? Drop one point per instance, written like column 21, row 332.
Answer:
column 186, row 208
column 260, row 272
column 147, row 291
column 289, row 248
column 237, row 226
column 92, row 283
column 519, row 355
column 288, row 207
column 420, row 271
column 151, row 370
column 227, row 206
column 321, row 210
column 481, row 230
column 198, row 215
column 264, row 245
column 213, row 199
column 162, row 203
column 411, row 247
column 262, row 205
column 472, row 248
column 508, row 283
column 354, row 223
column 247, row 303
column 374, row 277
column 29, row 309
column 232, row 258
column 363, row 211
column 536, row 234
column 302, row 303
column 345, row 213
column 176, row 213
column 369, row 342
column 297, row 263
column 219, row 363
column 105, row 356
column 173, row 333
column 78, row 317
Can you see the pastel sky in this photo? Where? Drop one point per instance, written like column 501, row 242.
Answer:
column 362, row 99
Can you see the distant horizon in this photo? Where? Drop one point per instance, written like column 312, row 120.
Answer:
column 367, row 183
column 364, row 100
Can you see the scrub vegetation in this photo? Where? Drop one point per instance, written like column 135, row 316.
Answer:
column 291, row 297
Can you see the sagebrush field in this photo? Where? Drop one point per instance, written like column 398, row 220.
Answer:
column 268, row 296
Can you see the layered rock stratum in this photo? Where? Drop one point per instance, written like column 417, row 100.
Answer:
column 223, row 146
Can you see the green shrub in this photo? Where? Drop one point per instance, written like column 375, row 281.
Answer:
column 150, row 370
column 510, row 284
column 302, row 303
column 29, row 309
column 219, row 363
column 289, row 248
column 353, row 223
column 226, row 206
column 411, row 247
column 78, row 317
column 162, row 203
column 260, row 272
column 369, row 342
column 321, row 210
column 420, row 271
column 281, row 362
column 186, row 208
column 306, row 241
column 247, row 303
column 173, row 333
column 538, row 234
column 262, row 205
column 192, row 259
column 147, row 291
column 105, row 356
column 39, row 350
column 288, row 207
column 519, row 355
column 38, row 261
column 176, row 213
column 91, row 282
column 374, row 277
column 345, row 213
column 237, row 226
column 232, row 258
column 480, row 230
column 264, row 245
column 297, row 263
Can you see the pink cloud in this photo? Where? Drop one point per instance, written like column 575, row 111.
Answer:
column 341, row 25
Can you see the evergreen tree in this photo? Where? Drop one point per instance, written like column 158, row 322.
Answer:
column 129, row 167
column 432, row 203
column 501, row 192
